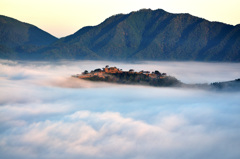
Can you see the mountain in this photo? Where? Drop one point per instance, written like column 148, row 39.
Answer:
column 21, row 40
column 229, row 85
column 142, row 35
column 151, row 35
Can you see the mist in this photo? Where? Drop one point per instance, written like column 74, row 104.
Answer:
column 45, row 113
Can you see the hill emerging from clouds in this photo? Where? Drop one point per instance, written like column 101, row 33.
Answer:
column 149, row 35
column 21, row 40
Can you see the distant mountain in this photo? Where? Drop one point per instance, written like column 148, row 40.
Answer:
column 151, row 35
column 229, row 85
column 21, row 40
column 142, row 35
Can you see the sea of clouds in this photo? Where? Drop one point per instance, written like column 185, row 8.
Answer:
column 45, row 113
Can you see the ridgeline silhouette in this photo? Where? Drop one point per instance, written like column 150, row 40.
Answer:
column 149, row 35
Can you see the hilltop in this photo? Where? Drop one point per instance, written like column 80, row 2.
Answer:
column 116, row 75
column 155, row 78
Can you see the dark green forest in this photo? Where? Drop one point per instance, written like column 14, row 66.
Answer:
column 142, row 35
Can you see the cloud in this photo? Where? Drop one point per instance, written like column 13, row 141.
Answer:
column 110, row 135
column 44, row 113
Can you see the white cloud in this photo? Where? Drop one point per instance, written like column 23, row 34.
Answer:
column 42, row 116
column 110, row 135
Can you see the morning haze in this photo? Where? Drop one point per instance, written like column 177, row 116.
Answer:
column 49, row 110
column 48, row 113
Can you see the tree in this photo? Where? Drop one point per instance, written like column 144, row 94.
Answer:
column 85, row 72
column 97, row 70
column 157, row 72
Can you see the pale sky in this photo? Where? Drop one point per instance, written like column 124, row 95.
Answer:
column 64, row 17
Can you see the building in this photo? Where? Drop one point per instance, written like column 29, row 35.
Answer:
column 111, row 70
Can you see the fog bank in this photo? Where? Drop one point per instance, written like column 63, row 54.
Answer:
column 44, row 113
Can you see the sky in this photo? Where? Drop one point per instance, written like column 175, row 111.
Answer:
column 44, row 113
column 64, row 17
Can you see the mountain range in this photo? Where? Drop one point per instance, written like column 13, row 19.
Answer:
column 141, row 35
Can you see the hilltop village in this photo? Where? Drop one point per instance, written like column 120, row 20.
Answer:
column 156, row 78
column 105, row 72
column 116, row 75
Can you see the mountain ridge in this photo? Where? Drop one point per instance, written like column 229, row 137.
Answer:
column 149, row 35
column 20, row 38
column 153, row 35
